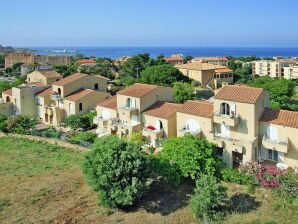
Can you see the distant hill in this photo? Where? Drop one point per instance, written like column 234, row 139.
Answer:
column 6, row 49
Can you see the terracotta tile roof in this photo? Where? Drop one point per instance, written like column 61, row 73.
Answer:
column 197, row 108
column 79, row 94
column 69, row 79
column 50, row 74
column 174, row 59
column 162, row 109
column 137, row 90
column 223, row 70
column 280, row 117
column 109, row 103
column 210, row 59
column 8, row 92
column 239, row 93
column 197, row 66
column 45, row 92
column 86, row 61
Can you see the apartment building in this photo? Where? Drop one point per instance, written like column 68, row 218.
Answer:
column 220, row 61
column 238, row 120
column 28, row 58
column 209, row 75
column 75, row 94
column 291, row 72
column 175, row 59
column 51, row 98
column 47, row 77
column 124, row 113
column 274, row 69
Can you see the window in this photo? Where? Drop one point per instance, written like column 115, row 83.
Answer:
column 225, row 109
column 80, row 107
column 273, row 155
column 59, row 91
column 96, row 86
column 128, row 102
column 7, row 99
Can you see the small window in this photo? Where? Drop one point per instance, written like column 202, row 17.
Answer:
column 273, row 155
column 96, row 86
column 59, row 91
column 7, row 99
column 80, row 107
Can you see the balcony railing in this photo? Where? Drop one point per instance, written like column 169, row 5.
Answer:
column 231, row 120
column 185, row 131
column 56, row 96
column 153, row 134
column 277, row 144
column 100, row 120
column 128, row 110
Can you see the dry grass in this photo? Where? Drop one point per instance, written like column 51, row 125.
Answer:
column 41, row 183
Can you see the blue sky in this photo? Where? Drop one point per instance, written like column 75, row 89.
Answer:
column 242, row 23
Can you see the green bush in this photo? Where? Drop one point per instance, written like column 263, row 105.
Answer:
column 83, row 136
column 51, row 133
column 288, row 185
column 21, row 124
column 234, row 176
column 117, row 170
column 209, row 198
column 3, row 118
column 77, row 121
column 193, row 156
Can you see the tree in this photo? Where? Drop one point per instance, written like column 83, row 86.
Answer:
column 186, row 59
column 281, row 90
column 77, row 121
column 66, row 70
column 210, row 196
column 243, row 74
column 182, row 92
column 193, row 156
column 2, row 60
column 5, row 85
column 104, row 67
column 134, row 65
column 164, row 74
column 117, row 170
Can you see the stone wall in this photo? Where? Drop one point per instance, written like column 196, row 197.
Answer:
column 47, row 140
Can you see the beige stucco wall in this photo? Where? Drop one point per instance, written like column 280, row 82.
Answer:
column 284, row 133
column 99, row 110
column 89, row 103
column 6, row 108
column 87, row 82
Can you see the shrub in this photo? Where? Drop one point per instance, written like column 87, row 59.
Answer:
column 21, row 124
column 83, row 136
column 268, row 176
column 251, row 170
column 288, row 184
column 183, row 92
column 137, row 138
column 117, row 170
column 210, row 196
column 51, row 133
column 234, row 176
column 3, row 118
column 192, row 155
column 77, row 121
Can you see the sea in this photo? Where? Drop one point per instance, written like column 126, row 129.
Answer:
column 116, row 52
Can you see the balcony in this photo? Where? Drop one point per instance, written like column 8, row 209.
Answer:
column 153, row 134
column 278, row 145
column 123, row 126
column 230, row 120
column 100, row 121
column 185, row 131
column 127, row 111
column 56, row 96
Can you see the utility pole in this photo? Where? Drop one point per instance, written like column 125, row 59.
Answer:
column 138, row 68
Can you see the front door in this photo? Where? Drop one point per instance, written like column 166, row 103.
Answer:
column 237, row 159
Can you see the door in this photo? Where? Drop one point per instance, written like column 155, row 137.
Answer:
column 225, row 130
column 237, row 159
column 133, row 103
column 105, row 114
column 158, row 125
column 134, row 119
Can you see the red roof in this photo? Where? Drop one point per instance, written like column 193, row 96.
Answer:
column 86, row 61
column 109, row 103
column 280, row 117
column 162, row 109
column 197, row 108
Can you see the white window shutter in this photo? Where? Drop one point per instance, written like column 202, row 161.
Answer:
column 233, row 108
column 280, row 157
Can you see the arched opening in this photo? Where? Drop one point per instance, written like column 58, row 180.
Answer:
column 272, row 133
column 192, row 125
column 59, row 91
column 96, row 86
column 225, row 109
column 105, row 114
column 128, row 102
column 80, row 107
column 159, row 125
column 7, row 99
